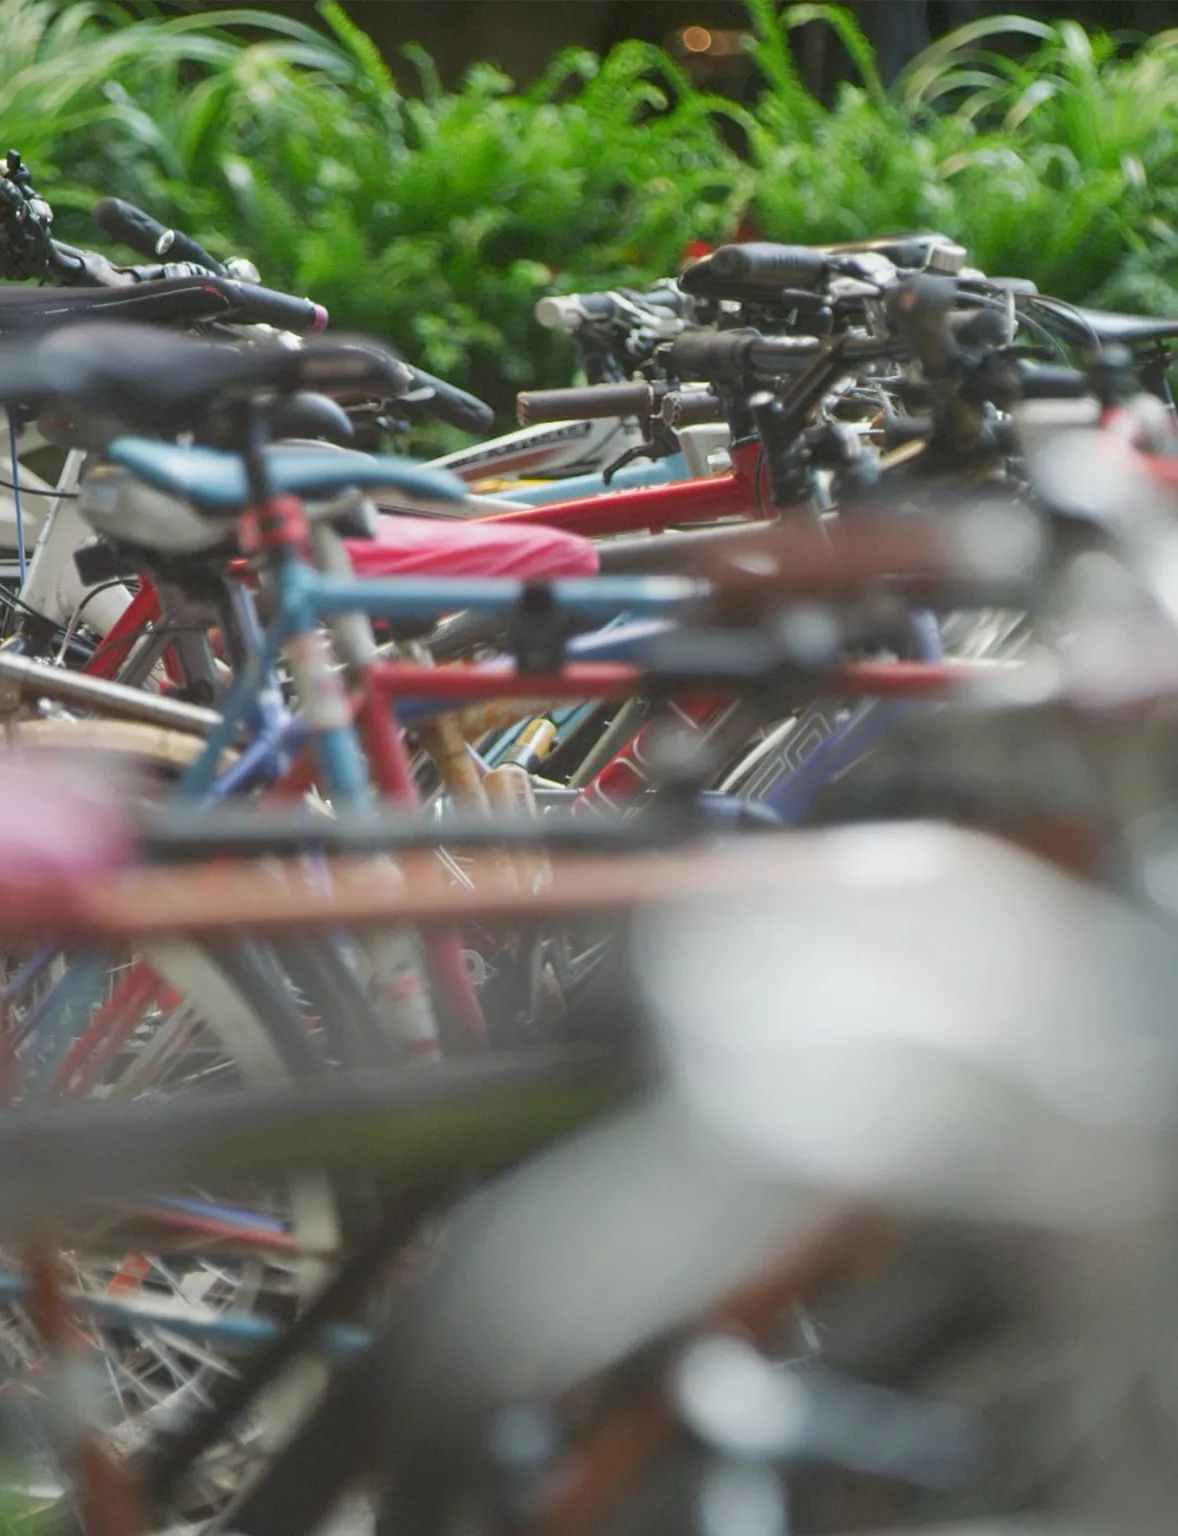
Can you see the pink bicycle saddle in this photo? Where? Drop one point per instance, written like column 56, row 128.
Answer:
column 417, row 546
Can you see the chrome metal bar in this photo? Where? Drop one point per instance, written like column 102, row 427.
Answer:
column 36, row 679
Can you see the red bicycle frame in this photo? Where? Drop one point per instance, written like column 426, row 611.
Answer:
column 653, row 509
column 143, row 612
column 743, row 492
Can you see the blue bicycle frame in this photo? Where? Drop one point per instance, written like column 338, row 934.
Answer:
column 306, row 597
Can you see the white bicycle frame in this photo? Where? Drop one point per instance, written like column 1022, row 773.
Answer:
column 53, row 531
column 564, row 447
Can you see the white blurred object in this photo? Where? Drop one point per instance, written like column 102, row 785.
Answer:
column 939, row 1019
column 596, row 1246
column 1088, row 473
column 1038, row 421
column 932, row 1017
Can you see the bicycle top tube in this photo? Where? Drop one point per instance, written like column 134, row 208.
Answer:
column 629, row 477
column 623, row 642
column 418, row 599
column 740, row 493
column 274, row 741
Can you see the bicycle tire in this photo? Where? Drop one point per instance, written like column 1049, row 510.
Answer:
column 240, row 995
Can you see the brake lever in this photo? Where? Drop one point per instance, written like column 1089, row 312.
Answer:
column 660, row 444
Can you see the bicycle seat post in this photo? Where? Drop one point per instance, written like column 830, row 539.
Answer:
column 255, row 439
column 272, row 525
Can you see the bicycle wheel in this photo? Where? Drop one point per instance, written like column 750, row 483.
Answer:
column 190, row 1271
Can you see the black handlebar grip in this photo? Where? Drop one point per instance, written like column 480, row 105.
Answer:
column 770, row 266
column 1053, row 382
column 726, row 354
column 454, row 406
column 175, row 245
column 595, row 400
column 123, row 221
column 690, row 408
column 265, row 306
column 710, row 354
column 129, row 225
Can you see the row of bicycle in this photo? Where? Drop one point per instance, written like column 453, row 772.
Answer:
column 347, row 769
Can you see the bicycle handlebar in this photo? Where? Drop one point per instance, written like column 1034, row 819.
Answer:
column 32, row 250
column 690, row 408
column 250, row 303
column 124, row 221
column 569, row 312
column 1051, row 381
column 448, row 403
column 768, row 265
column 911, row 251
column 266, row 306
column 175, row 243
column 262, row 306
column 253, row 305
column 534, row 406
column 763, row 269
column 726, row 354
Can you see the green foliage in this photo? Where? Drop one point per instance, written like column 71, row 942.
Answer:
column 1057, row 164
column 433, row 219
column 436, row 217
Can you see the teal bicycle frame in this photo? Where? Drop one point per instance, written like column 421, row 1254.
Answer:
column 305, row 598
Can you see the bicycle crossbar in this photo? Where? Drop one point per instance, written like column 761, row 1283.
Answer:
column 37, row 679
column 280, row 897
